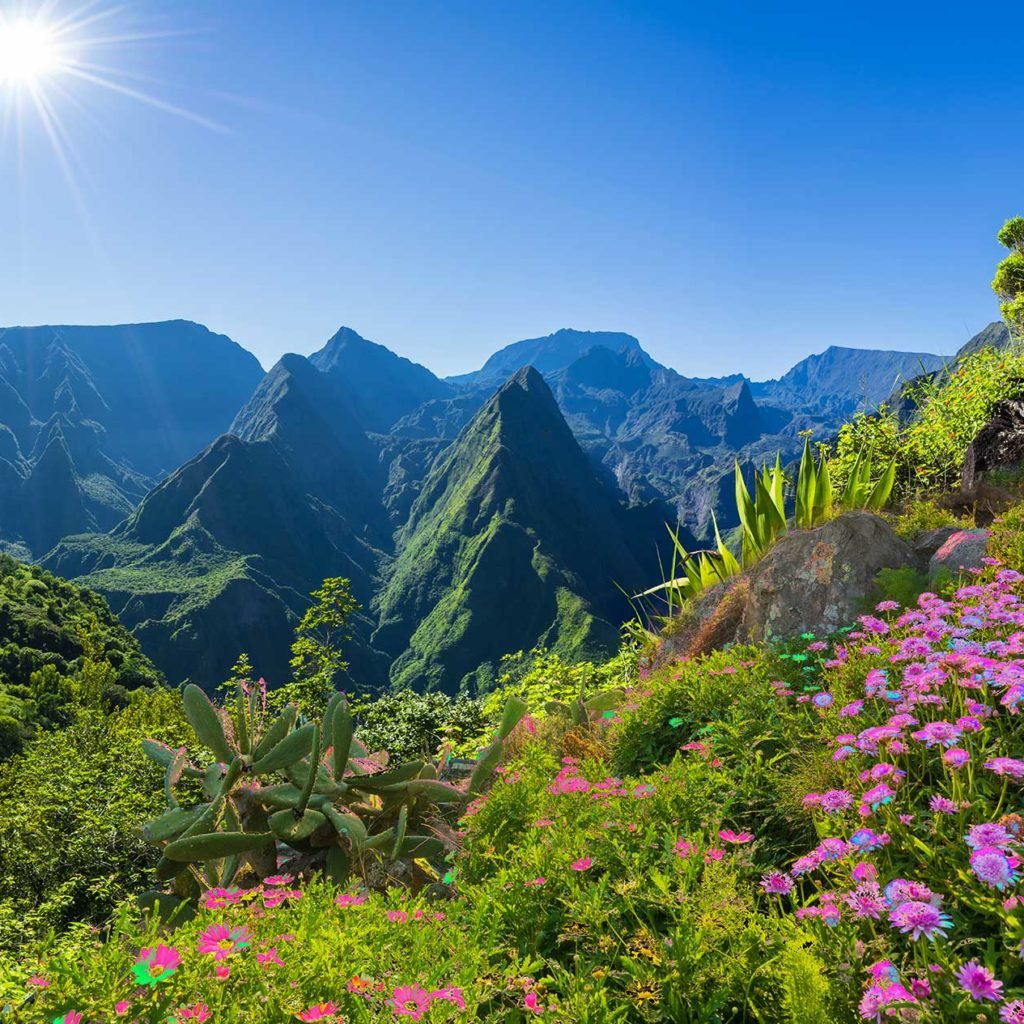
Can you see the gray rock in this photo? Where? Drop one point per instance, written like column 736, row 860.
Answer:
column 817, row 580
column 962, row 551
column 926, row 544
column 811, row 581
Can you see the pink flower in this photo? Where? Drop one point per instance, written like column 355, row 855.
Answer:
column 540, row 880
column 276, row 880
column 38, row 981
column 221, row 972
column 71, row 1017
column 684, row 848
column 531, row 1003
column 713, row 854
column 154, row 965
column 215, row 899
column 543, row 823
column 775, row 883
column 450, row 994
column 270, row 957
column 397, row 916
column 409, row 1001
column 319, row 1011
column 728, row 836
column 221, row 942
column 348, row 899
column 198, row 1013
column 582, row 864
column 122, row 1007
column 978, row 982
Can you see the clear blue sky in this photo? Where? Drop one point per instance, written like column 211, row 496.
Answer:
column 736, row 184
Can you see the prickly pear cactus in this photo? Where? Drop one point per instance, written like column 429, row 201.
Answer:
column 284, row 794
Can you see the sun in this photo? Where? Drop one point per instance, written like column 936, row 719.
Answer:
column 29, row 51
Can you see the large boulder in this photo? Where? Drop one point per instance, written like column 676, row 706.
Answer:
column 962, row 551
column 811, row 581
column 999, row 445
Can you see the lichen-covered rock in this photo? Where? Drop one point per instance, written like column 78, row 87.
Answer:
column 817, row 580
column 811, row 581
column 962, row 551
column 927, row 543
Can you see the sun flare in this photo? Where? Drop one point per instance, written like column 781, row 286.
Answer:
column 29, row 51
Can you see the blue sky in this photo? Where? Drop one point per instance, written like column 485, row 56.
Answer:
column 738, row 185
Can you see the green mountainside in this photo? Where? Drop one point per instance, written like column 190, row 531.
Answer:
column 515, row 540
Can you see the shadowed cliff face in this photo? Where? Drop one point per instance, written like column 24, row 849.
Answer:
column 92, row 417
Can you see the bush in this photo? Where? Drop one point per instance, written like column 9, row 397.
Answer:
column 922, row 515
column 70, row 808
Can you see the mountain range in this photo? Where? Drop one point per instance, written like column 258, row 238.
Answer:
column 475, row 516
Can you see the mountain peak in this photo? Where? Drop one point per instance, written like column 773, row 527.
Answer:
column 391, row 385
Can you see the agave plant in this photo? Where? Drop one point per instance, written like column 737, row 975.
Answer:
column 285, row 794
column 763, row 520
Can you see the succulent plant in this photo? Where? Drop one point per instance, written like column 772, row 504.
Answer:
column 284, row 794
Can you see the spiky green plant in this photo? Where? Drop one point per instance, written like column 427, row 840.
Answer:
column 285, row 794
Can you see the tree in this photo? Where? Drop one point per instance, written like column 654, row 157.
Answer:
column 316, row 653
column 1008, row 283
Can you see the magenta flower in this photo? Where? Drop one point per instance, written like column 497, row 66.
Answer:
column 220, row 942
column 121, row 1007
column 684, row 848
column 409, row 1001
column 1012, row 1013
column 397, row 916
column 776, row 883
column 532, row 1003
column 156, row 964
column 956, row 757
column 582, row 864
column 878, row 997
column 942, row 805
column 1008, row 766
column 991, row 866
column 215, row 899
column 920, row 920
column 990, row 833
column 71, row 1017
column 979, row 982
column 836, row 800
column 348, row 899
column 195, row 1014
column 866, row 901
column 539, row 880
column 728, row 836
column 270, row 957
column 937, row 733
column 318, row 1011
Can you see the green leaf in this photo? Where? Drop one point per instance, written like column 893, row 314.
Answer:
column 294, row 747
column 341, row 739
column 205, row 722
column 277, row 731
column 436, row 792
column 292, row 827
column 213, row 845
column 171, row 824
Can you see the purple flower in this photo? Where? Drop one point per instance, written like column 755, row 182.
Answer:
column 866, row 840
column 1012, row 1013
column 956, row 757
column 990, row 833
column 993, row 867
column 866, row 901
column 942, row 733
column 878, row 795
column 978, row 982
column 920, row 920
column 942, row 805
column 836, row 800
column 1006, row 766
column 776, row 883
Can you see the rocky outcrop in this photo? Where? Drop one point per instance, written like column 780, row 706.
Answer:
column 999, row 445
column 812, row 581
column 962, row 551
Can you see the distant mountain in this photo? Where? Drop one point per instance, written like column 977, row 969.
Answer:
column 475, row 516
column 549, row 354
column 514, row 541
column 841, row 381
column 384, row 386
column 221, row 556
column 92, row 417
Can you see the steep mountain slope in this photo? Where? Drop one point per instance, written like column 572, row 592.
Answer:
column 221, row 556
column 385, row 386
column 91, row 417
column 514, row 540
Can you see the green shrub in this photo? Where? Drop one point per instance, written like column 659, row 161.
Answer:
column 415, row 725
column 922, row 515
column 903, row 585
column 70, row 807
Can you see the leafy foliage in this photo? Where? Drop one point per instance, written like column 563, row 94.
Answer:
column 1008, row 283
column 69, row 812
